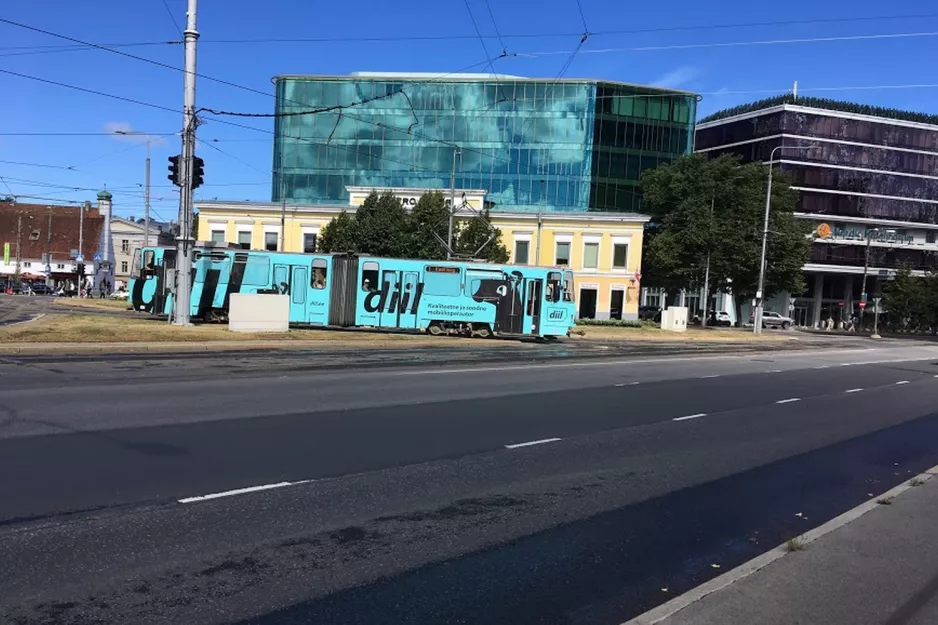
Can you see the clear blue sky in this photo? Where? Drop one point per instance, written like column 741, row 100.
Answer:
column 244, row 172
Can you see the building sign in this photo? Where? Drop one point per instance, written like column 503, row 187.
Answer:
column 879, row 235
column 474, row 199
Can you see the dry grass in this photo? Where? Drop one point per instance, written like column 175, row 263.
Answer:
column 795, row 544
column 79, row 303
column 697, row 335
column 78, row 328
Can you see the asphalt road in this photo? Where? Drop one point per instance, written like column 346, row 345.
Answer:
column 409, row 494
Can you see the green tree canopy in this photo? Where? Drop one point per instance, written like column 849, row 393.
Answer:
column 430, row 217
column 477, row 233
column 912, row 301
column 340, row 235
column 383, row 226
column 704, row 207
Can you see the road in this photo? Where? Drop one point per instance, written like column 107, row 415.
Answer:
column 553, row 491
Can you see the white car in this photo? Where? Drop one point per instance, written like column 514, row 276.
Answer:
column 774, row 320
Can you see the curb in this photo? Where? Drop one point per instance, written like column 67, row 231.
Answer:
column 672, row 607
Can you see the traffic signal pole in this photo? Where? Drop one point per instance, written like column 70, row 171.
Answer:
column 184, row 241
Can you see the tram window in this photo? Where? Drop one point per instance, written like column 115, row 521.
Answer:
column 568, row 286
column 442, row 281
column 370, row 276
column 320, row 271
column 135, row 267
column 553, row 286
column 256, row 271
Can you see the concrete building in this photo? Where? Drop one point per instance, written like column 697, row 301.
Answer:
column 868, row 184
column 127, row 236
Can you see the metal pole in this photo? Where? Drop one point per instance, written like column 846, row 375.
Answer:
column 283, row 211
column 876, row 301
column 183, row 250
column 452, row 206
column 706, row 308
column 146, row 204
column 19, row 237
column 757, row 317
column 537, row 248
column 866, row 268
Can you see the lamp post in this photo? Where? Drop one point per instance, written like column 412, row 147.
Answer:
column 760, row 295
column 146, row 188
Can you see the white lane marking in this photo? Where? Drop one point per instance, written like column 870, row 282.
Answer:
column 901, row 382
column 713, row 375
column 627, row 384
column 529, row 443
column 241, row 491
column 690, row 416
column 936, row 375
column 638, row 361
column 774, row 371
column 855, row 390
column 788, row 401
column 823, row 367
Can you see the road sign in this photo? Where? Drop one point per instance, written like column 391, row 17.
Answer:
column 48, row 270
column 862, row 305
column 97, row 258
column 841, row 304
column 863, row 297
column 79, row 259
column 638, row 276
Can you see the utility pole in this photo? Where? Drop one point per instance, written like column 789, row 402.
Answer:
column 184, row 240
column 866, row 269
column 19, row 238
column 452, row 206
column 283, row 210
column 146, row 204
column 706, row 308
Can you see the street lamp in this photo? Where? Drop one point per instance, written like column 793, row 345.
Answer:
column 760, row 299
column 146, row 188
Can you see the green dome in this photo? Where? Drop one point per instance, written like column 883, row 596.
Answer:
column 104, row 195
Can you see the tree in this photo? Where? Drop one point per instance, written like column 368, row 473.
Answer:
column 911, row 301
column 340, row 235
column 474, row 234
column 429, row 226
column 702, row 207
column 383, row 226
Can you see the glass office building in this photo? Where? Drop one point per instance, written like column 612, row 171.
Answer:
column 532, row 145
column 867, row 174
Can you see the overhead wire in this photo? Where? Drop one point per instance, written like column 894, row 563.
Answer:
column 454, row 36
column 173, row 18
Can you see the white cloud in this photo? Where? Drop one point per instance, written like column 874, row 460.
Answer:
column 123, row 131
column 677, row 77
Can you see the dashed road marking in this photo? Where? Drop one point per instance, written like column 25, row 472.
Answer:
column 855, row 390
column 529, row 443
column 774, row 371
column 712, row 375
column 823, row 367
column 241, row 491
column 788, row 401
column 901, row 382
column 690, row 416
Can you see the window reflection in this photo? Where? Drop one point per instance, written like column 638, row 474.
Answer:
column 532, row 145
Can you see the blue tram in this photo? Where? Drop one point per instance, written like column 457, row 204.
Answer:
column 440, row 297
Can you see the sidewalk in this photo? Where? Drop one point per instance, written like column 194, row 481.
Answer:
column 878, row 569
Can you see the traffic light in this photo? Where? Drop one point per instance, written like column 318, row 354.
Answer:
column 81, row 270
column 174, row 176
column 198, row 168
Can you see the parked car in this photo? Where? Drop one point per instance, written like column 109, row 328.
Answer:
column 41, row 289
column 721, row 318
column 772, row 319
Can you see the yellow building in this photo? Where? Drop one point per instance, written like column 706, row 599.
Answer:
column 603, row 249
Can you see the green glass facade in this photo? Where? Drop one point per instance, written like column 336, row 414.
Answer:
column 568, row 145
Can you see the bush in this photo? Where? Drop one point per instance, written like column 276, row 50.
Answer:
column 617, row 323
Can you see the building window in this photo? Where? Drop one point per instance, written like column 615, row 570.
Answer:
column 590, row 255
column 522, row 250
column 27, row 264
column 309, row 242
column 60, row 266
column 620, row 255
column 218, row 236
column 270, row 241
column 125, row 246
column 244, row 239
column 123, row 266
column 562, row 255
column 929, row 236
